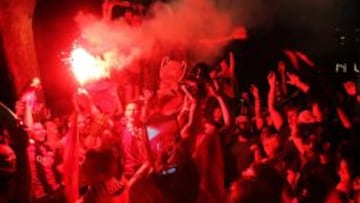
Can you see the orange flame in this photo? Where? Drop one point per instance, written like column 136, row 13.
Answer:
column 87, row 67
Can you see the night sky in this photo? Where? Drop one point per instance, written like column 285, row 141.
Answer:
column 315, row 33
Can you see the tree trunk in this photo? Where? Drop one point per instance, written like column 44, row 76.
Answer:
column 17, row 34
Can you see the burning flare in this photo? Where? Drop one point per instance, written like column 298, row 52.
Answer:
column 87, row 67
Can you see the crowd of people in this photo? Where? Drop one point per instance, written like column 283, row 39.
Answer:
column 302, row 148
column 293, row 141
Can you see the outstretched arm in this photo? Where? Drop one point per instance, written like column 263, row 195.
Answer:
column 185, row 131
column 297, row 82
column 274, row 113
column 29, row 99
column 223, row 106
column 257, row 106
column 344, row 119
column 282, row 71
column 147, row 94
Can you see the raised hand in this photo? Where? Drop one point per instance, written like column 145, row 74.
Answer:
column 293, row 79
column 350, row 88
column 271, row 79
column 281, row 67
column 82, row 100
column 226, row 69
column 254, row 91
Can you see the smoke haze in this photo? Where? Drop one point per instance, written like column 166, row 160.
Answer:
column 186, row 23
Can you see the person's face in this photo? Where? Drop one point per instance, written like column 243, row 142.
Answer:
column 270, row 146
column 132, row 112
column 217, row 114
column 265, row 132
column 51, row 128
column 343, row 171
column 38, row 132
column 242, row 122
column 309, row 146
column 81, row 122
column 8, row 156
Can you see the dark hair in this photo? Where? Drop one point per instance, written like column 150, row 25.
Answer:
column 201, row 71
column 252, row 190
column 198, row 90
column 247, row 191
column 270, row 178
column 292, row 162
column 271, row 136
column 305, row 130
column 101, row 159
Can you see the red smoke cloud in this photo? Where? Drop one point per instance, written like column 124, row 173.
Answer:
column 186, row 23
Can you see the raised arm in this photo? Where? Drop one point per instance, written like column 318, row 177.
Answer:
column 259, row 121
column 182, row 116
column 223, row 106
column 282, row 71
column 274, row 113
column 190, row 108
column 185, row 131
column 344, row 119
column 297, row 82
column 145, row 110
column 29, row 99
